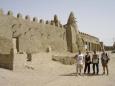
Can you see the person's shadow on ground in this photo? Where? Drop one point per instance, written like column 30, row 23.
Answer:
column 74, row 74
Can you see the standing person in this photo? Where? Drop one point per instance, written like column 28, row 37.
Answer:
column 104, row 61
column 80, row 61
column 87, row 62
column 95, row 62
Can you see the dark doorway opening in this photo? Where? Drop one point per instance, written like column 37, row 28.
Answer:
column 16, row 44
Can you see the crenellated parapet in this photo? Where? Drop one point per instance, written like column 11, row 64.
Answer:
column 88, row 37
column 10, row 13
column 27, row 17
column 35, row 19
column 19, row 16
column 85, row 34
column 47, row 22
column 55, row 22
column 52, row 22
column 41, row 21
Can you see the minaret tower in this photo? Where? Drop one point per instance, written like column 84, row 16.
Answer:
column 74, row 41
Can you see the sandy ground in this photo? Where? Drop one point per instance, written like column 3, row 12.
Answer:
column 50, row 73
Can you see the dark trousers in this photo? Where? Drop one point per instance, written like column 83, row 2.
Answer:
column 87, row 66
column 97, row 68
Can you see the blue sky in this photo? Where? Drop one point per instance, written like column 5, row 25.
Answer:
column 95, row 17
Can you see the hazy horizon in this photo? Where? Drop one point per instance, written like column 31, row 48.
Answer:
column 95, row 17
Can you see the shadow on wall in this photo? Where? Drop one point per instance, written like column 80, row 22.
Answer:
column 6, row 61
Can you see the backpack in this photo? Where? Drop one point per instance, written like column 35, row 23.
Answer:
column 105, row 58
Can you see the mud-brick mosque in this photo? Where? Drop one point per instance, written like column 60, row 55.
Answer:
column 36, row 35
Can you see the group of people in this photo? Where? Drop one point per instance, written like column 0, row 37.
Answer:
column 94, row 60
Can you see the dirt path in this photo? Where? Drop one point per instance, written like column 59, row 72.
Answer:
column 49, row 73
